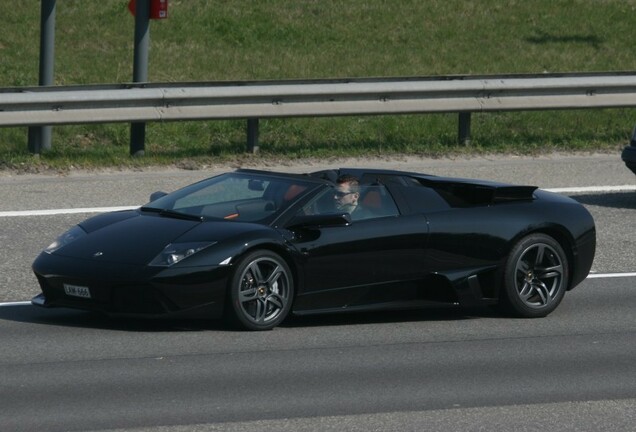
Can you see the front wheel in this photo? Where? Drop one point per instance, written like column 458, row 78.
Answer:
column 535, row 278
column 261, row 291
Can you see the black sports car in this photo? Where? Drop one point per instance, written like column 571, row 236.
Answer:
column 629, row 153
column 252, row 246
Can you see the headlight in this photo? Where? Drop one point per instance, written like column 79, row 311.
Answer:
column 175, row 252
column 66, row 238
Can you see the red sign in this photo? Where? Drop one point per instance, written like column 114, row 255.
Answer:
column 158, row 8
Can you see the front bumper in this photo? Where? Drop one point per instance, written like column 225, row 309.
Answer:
column 119, row 290
column 629, row 157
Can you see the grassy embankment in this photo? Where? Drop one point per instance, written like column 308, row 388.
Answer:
column 243, row 40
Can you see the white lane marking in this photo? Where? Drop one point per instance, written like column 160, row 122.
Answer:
column 64, row 211
column 610, row 275
column 592, row 189
column 20, row 303
column 590, row 276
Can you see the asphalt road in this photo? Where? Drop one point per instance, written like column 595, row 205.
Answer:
column 437, row 369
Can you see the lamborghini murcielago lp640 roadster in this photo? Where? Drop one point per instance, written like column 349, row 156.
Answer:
column 253, row 246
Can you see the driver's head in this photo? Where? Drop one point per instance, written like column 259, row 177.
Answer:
column 347, row 192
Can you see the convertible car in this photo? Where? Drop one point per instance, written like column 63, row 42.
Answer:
column 253, row 246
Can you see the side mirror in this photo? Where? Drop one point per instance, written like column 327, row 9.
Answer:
column 320, row 221
column 156, row 195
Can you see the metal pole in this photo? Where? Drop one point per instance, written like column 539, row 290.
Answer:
column 464, row 128
column 140, row 70
column 39, row 137
column 252, row 135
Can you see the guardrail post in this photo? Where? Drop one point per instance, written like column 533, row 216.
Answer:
column 252, row 135
column 464, row 128
column 140, row 70
column 39, row 137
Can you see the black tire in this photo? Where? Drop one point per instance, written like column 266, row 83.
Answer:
column 535, row 277
column 261, row 291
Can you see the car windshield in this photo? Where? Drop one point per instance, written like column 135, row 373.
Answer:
column 237, row 196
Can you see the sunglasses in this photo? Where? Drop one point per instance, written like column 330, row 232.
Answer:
column 342, row 194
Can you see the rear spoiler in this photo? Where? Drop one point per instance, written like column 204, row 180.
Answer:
column 513, row 193
column 466, row 193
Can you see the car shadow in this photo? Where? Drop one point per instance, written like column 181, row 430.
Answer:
column 435, row 313
column 622, row 200
column 62, row 317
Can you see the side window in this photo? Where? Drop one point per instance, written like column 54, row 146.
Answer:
column 419, row 199
column 374, row 201
column 323, row 203
column 377, row 202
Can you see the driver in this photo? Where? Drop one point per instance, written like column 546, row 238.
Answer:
column 347, row 195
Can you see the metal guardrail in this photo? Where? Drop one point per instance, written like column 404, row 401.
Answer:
column 308, row 98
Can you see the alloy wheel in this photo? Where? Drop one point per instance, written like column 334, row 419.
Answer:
column 264, row 291
column 539, row 275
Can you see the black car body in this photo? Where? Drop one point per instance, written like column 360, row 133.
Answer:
column 629, row 153
column 253, row 246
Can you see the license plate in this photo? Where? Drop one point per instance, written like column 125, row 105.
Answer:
column 77, row 291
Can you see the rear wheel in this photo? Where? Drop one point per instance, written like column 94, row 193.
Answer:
column 535, row 278
column 261, row 291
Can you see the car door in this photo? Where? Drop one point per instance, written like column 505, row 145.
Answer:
column 365, row 262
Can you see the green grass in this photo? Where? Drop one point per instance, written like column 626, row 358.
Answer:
column 206, row 40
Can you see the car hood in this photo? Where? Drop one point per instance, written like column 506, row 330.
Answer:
column 134, row 237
